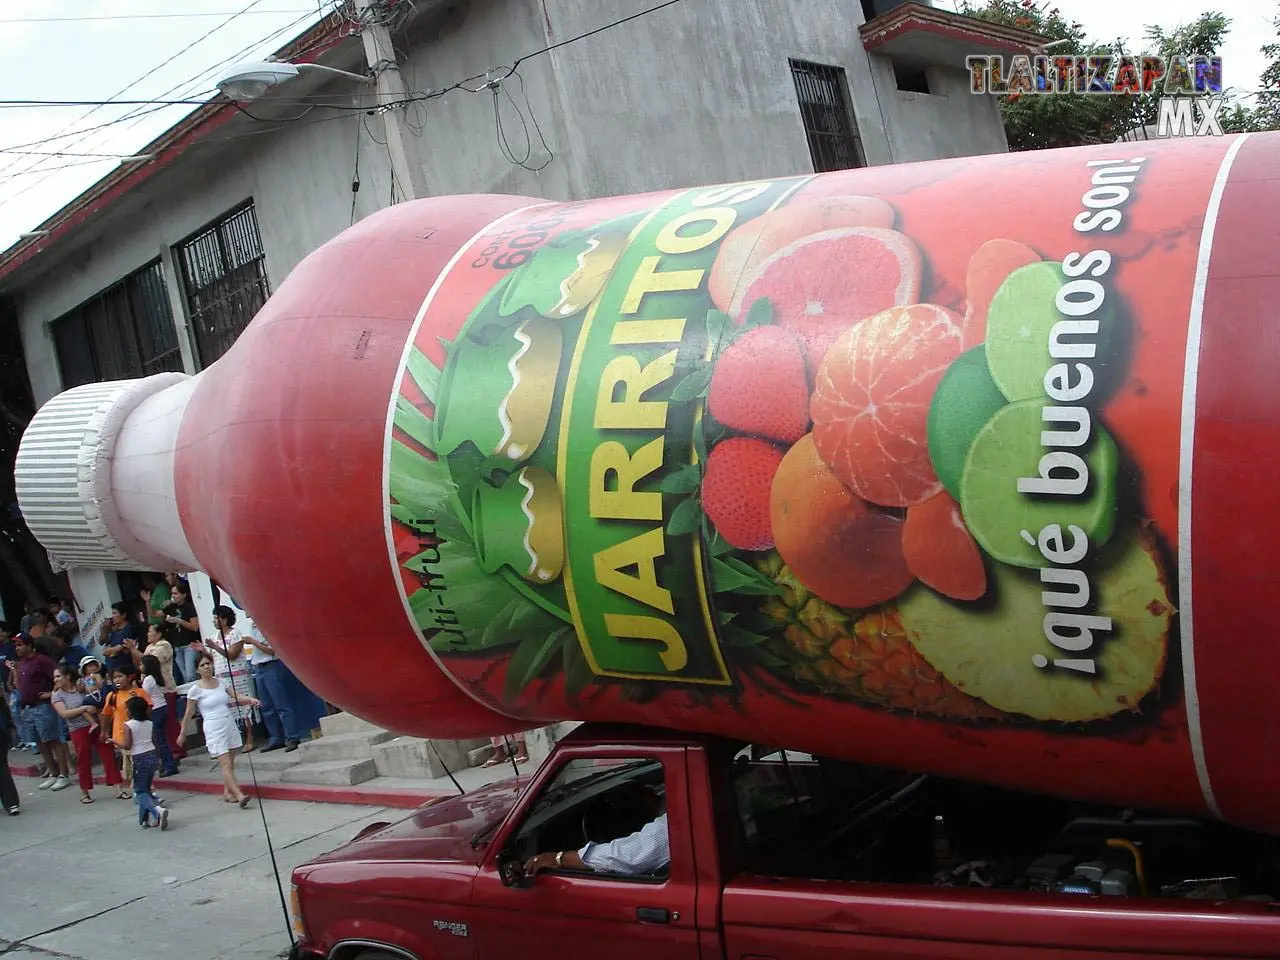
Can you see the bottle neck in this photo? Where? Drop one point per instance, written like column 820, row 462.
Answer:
column 142, row 478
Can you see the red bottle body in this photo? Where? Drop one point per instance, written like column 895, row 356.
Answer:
column 962, row 466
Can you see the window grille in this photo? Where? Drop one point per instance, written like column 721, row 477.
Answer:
column 834, row 143
column 125, row 331
column 224, row 280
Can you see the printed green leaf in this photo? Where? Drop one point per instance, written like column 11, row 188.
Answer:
column 718, row 546
column 411, row 519
column 449, row 527
column 720, row 328
column 685, row 518
column 759, row 314
column 520, row 617
column 577, row 672
column 685, row 480
column 414, row 422
column 700, row 442
column 693, row 386
column 418, row 483
column 425, row 373
column 730, row 575
column 756, row 622
column 763, row 657
column 528, row 661
column 735, row 636
column 474, row 610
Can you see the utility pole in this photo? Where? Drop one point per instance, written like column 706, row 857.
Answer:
column 410, row 178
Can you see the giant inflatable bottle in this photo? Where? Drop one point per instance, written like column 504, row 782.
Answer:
column 965, row 466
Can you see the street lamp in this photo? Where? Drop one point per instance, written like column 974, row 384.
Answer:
column 249, row 81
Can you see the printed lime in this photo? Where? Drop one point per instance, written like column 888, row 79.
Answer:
column 1007, row 449
column 965, row 400
column 1020, row 322
column 1001, row 655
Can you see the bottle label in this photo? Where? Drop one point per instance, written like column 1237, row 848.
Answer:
column 891, row 447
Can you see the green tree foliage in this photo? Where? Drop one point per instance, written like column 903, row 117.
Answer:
column 1040, row 122
column 1261, row 111
column 1035, row 122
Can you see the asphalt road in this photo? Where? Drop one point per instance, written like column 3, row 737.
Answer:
column 84, row 882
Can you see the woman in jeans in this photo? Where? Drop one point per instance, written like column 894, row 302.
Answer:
column 156, row 690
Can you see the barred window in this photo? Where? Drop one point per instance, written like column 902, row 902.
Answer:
column 126, row 331
column 224, row 280
column 829, row 126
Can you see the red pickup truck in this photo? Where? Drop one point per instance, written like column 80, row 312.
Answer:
column 779, row 855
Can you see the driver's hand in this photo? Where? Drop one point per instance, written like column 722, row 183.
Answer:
column 543, row 861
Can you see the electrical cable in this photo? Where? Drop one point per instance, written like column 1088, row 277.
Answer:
column 142, row 16
column 460, row 85
column 138, row 114
column 134, row 83
column 262, row 811
column 355, row 176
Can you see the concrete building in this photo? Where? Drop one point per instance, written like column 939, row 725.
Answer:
column 160, row 265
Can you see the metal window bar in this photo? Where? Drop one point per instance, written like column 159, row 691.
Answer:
column 834, row 143
column 125, row 331
column 224, row 279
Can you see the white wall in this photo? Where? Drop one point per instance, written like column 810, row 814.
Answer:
column 949, row 121
column 299, row 179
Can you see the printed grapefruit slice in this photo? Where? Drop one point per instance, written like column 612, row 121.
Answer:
column 871, row 402
column 755, row 241
column 989, row 267
column 839, row 547
column 941, row 551
column 823, row 283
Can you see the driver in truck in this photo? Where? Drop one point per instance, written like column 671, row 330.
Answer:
column 647, row 851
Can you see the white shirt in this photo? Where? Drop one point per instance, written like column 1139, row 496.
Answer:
column 257, row 654
column 154, row 691
column 213, row 703
column 140, row 730
column 645, row 851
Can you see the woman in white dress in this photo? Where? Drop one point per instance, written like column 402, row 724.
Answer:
column 231, row 666
column 214, row 700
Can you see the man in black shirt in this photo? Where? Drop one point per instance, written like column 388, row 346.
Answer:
column 183, row 630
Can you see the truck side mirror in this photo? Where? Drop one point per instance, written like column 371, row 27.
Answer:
column 511, row 872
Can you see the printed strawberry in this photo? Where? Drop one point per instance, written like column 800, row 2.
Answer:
column 759, row 386
column 735, row 490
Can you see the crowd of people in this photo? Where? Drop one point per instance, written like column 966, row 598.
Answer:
column 128, row 696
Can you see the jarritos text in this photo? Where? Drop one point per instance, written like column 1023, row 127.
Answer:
column 728, row 440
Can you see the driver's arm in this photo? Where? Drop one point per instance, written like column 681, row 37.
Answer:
column 644, row 851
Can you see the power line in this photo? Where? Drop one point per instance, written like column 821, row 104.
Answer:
column 131, row 85
column 137, row 114
column 147, row 16
column 98, row 103
column 490, row 84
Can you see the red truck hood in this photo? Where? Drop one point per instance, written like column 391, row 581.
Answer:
column 442, row 830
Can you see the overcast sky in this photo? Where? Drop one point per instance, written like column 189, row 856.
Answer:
column 97, row 59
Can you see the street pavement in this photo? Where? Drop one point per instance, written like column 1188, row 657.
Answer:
column 85, row 882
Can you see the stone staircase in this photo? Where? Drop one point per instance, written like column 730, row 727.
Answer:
column 352, row 751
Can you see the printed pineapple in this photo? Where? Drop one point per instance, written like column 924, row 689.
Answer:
column 860, row 656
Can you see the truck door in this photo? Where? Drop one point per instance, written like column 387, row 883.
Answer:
column 592, row 794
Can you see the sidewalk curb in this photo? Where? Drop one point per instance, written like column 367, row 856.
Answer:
column 304, row 792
